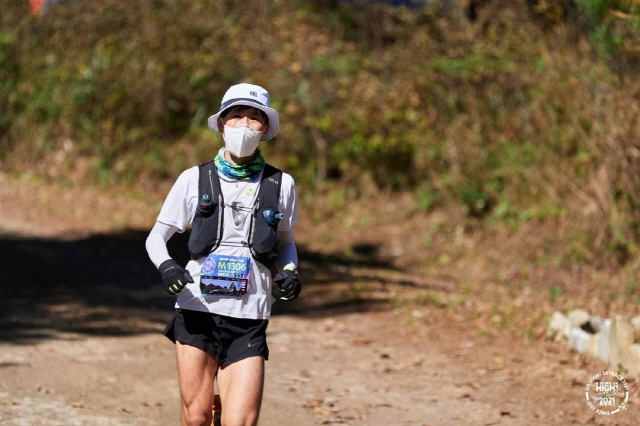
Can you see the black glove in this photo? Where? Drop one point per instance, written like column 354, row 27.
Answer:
column 288, row 283
column 174, row 277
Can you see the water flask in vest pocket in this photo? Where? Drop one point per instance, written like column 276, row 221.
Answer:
column 272, row 216
column 205, row 204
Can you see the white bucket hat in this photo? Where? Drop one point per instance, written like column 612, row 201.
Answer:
column 249, row 95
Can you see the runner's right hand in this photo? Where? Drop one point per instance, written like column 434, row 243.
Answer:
column 174, row 277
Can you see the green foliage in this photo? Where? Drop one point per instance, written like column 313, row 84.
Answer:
column 593, row 9
column 501, row 115
column 475, row 199
column 432, row 298
column 555, row 293
column 10, row 71
column 426, row 198
column 615, row 26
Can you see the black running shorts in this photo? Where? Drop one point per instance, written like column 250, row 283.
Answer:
column 229, row 339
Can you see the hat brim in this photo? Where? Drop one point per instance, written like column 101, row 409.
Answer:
column 272, row 114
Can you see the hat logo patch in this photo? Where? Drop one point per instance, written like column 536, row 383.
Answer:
column 254, row 94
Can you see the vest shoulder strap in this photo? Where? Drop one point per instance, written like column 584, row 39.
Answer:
column 263, row 238
column 209, row 182
column 212, row 228
column 269, row 192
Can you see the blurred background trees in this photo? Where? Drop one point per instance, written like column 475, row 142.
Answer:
column 515, row 110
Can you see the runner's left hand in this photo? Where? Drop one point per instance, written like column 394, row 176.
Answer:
column 288, row 283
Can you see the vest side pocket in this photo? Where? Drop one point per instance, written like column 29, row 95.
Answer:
column 265, row 241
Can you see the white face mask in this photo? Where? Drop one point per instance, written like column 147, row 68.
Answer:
column 241, row 141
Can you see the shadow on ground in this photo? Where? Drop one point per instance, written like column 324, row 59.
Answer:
column 105, row 285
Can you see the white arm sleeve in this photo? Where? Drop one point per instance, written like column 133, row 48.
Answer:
column 156, row 243
column 175, row 215
column 287, row 252
column 288, row 204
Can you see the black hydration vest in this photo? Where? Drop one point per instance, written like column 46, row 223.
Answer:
column 207, row 227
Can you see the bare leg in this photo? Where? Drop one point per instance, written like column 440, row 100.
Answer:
column 241, row 385
column 196, row 372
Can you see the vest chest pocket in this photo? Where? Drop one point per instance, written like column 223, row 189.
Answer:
column 265, row 241
column 206, row 230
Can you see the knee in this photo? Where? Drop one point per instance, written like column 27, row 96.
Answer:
column 197, row 418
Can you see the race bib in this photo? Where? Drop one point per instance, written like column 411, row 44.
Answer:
column 223, row 275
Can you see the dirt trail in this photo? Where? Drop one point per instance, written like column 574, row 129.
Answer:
column 356, row 369
column 80, row 340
